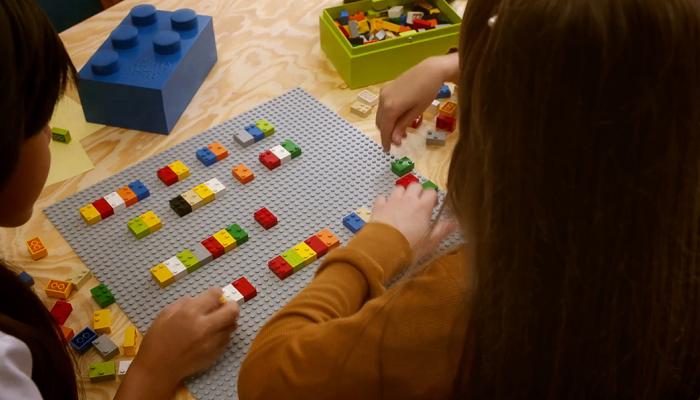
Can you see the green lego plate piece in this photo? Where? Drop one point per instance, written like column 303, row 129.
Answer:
column 138, row 228
column 292, row 148
column 293, row 259
column 102, row 371
column 189, row 260
column 102, row 295
column 430, row 185
column 238, row 233
column 402, row 166
column 60, row 135
column 265, row 126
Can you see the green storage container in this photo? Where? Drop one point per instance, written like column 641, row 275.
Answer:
column 382, row 61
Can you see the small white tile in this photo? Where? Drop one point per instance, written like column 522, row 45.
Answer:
column 232, row 294
column 368, row 98
column 124, row 366
column 281, row 153
column 176, row 267
column 215, row 185
column 116, row 202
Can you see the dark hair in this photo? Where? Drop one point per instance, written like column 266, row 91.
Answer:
column 577, row 181
column 33, row 74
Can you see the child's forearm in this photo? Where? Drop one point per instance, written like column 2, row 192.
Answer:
column 141, row 383
column 448, row 65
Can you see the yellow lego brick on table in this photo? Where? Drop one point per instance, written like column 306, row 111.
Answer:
column 162, row 275
column 305, row 252
column 36, row 248
column 90, row 214
column 151, row 220
column 205, row 193
column 225, row 239
column 130, row 339
column 364, row 26
column 180, row 169
column 102, row 321
column 390, row 26
column 364, row 214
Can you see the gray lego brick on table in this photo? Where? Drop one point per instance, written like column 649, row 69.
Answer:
column 339, row 171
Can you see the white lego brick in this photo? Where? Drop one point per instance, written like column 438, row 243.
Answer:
column 368, row 98
column 232, row 294
column 281, row 153
column 395, row 12
column 411, row 15
column 215, row 185
column 380, row 35
column 176, row 267
column 364, row 214
column 124, row 366
column 78, row 276
column 116, row 202
column 435, row 138
column 360, row 109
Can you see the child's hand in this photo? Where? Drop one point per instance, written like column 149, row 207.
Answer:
column 410, row 211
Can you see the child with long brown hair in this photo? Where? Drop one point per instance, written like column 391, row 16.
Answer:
column 576, row 184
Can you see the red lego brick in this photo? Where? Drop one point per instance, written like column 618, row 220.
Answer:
column 423, row 24
column 61, row 310
column 103, row 208
column 214, row 247
column 245, row 288
column 167, row 176
column 317, row 246
column 407, row 180
column 268, row 159
column 265, row 218
column 417, row 122
column 446, row 123
column 280, row 267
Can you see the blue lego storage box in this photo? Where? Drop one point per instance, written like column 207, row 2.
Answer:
column 147, row 71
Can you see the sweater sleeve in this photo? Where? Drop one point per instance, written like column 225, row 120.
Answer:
column 328, row 317
column 16, row 370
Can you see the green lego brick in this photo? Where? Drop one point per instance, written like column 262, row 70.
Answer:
column 292, row 148
column 138, row 228
column 402, row 166
column 102, row 295
column 293, row 259
column 189, row 260
column 265, row 126
column 103, row 371
column 238, row 233
column 430, row 185
column 60, row 135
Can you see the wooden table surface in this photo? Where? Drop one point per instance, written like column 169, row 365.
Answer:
column 265, row 48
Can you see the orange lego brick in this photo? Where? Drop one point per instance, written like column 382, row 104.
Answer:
column 242, row 173
column 219, row 150
column 36, row 248
column 58, row 289
column 128, row 196
column 448, row 108
column 67, row 334
column 328, row 238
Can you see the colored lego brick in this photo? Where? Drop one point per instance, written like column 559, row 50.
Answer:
column 216, row 186
column 328, row 238
column 58, row 289
column 180, row 206
column 238, row 233
column 128, row 196
column 102, row 295
column 180, row 169
column 106, row 347
column 265, row 126
column 152, row 221
column 317, row 246
column 269, row 160
column 138, row 228
column 139, row 189
column 202, row 254
column 280, row 267
column 444, row 92
column 368, row 98
column 167, row 176
column 176, row 267
column 116, row 202
column 402, row 166
column 82, row 340
column 225, row 239
column 360, row 109
column 60, row 311
column 124, row 367
column 130, row 340
column 448, row 108
column 102, row 321
column 214, row 247
column 242, row 173
column 244, row 138
column 364, row 214
column 25, row 278
column 60, row 135
column 206, row 156
column 90, row 214
column 255, row 132
column 412, row 15
column 103, row 371
column 193, row 199
column 205, row 193
column 103, row 207
column 162, row 275
column 292, row 148
column 429, row 185
column 78, row 276
column 445, row 122
column 417, row 122
column 293, row 259
column 265, row 218
column 189, row 260
column 281, row 153
column 144, row 75
column 36, row 249
column 353, row 222
column 435, row 138
column 307, row 254
column 407, row 33
column 344, row 17
column 219, row 150
column 406, row 180
column 230, row 293
column 67, row 334
column 245, row 288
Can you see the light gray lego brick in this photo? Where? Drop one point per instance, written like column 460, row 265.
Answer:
column 202, row 254
column 244, row 138
column 435, row 138
column 340, row 170
column 106, row 347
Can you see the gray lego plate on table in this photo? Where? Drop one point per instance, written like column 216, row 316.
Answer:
column 340, row 170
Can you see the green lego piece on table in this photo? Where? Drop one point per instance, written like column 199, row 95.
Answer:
column 292, row 148
column 265, row 126
column 102, row 371
column 238, row 233
column 402, row 166
column 430, row 185
column 189, row 260
column 138, row 228
column 293, row 259
column 60, row 135
column 102, row 295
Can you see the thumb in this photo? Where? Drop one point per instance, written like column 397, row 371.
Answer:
column 440, row 231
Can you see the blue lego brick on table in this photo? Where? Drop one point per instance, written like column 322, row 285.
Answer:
column 255, row 132
column 26, row 278
column 139, row 189
column 353, row 222
column 444, row 93
column 206, row 156
column 145, row 74
column 81, row 342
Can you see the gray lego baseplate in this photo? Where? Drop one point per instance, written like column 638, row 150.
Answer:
column 339, row 171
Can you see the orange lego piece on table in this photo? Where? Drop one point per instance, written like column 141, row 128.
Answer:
column 67, row 334
column 328, row 238
column 242, row 173
column 128, row 196
column 219, row 150
column 58, row 289
column 359, row 16
column 36, row 248
column 448, row 108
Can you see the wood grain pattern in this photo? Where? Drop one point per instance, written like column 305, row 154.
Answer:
column 266, row 48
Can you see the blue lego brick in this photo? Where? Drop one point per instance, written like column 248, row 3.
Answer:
column 344, row 17
column 144, row 75
column 444, row 92
column 26, row 278
column 353, row 222
column 206, row 156
column 139, row 189
column 255, row 132
column 82, row 341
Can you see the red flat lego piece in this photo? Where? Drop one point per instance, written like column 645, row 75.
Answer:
column 417, row 122
column 103, row 208
column 280, row 267
column 421, row 24
column 214, row 247
column 265, row 218
column 407, row 180
column 245, row 288
column 268, row 159
column 317, row 246
column 61, row 310
column 446, row 123
column 167, row 176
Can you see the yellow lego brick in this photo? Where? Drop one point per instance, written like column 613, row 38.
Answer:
column 180, row 169
column 90, row 214
column 58, row 289
column 205, row 193
column 162, row 275
column 130, row 339
column 364, row 214
column 390, row 26
column 152, row 221
column 36, row 248
column 305, row 252
column 448, row 108
column 193, row 199
column 363, row 25
column 102, row 321
column 225, row 239
column 376, row 24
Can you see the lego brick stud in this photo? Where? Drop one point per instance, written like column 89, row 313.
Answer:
column 143, row 15
column 124, row 37
column 166, row 42
column 183, row 19
column 104, row 62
